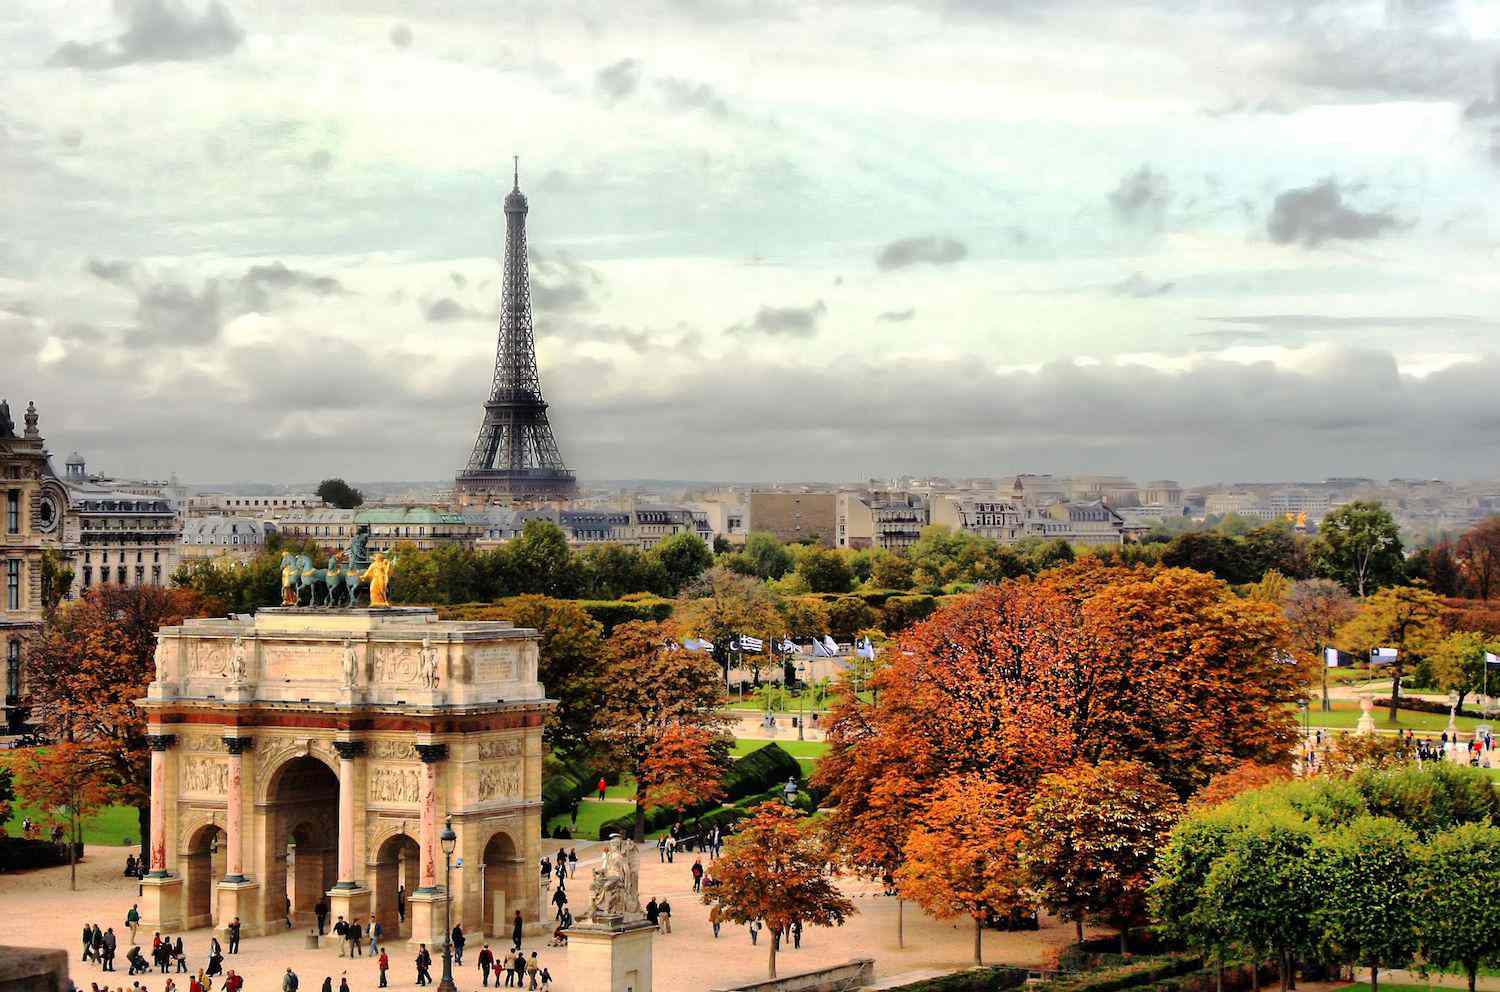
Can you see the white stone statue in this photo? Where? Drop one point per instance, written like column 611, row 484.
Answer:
column 616, row 890
column 351, row 663
column 161, row 661
column 239, row 668
column 429, row 664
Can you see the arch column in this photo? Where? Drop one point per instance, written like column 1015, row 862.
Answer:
column 161, row 891
column 238, row 895
column 426, row 903
column 349, row 897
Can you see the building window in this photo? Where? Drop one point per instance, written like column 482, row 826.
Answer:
column 13, row 511
column 156, row 575
column 140, row 575
column 13, row 584
column 13, row 670
column 120, row 575
column 88, row 576
column 156, row 556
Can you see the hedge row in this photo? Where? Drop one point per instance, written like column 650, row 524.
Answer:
column 1137, row 974
column 613, row 612
column 563, row 781
column 24, row 853
column 992, row 979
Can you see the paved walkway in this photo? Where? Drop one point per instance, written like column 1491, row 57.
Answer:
column 40, row 911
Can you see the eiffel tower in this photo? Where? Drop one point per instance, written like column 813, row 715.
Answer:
column 515, row 457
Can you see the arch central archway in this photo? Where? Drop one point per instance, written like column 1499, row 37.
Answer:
column 396, row 877
column 303, row 802
column 503, row 876
column 203, row 864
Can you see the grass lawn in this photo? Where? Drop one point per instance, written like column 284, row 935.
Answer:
column 114, row 825
column 797, row 749
column 1345, row 716
column 590, row 817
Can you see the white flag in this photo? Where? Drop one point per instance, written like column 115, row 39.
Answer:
column 754, row 645
column 1491, row 659
column 866, row 649
column 828, row 643
column 820, row 650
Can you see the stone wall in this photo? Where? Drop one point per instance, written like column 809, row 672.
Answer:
column 849, row 975
column 33, row 969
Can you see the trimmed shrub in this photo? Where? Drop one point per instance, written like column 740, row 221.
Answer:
column 989, row 979
column 1139, row 973
column 24, row 853
column 613, row 612
column 900, row 612
column 761, row 770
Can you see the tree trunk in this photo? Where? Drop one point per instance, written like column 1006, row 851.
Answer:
column 771, row 940
column 640, row 818
column 1281, row 967
column 1396, row 670
column 1124, row 938
column 978, row 944
column 73, row 851
column 1291, row 970
column 1078, row 926
column 1473, row 970
column 1254, row 976
column 900, row 922
column 1374, row 979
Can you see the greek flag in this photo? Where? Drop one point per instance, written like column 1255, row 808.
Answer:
column 788, row 647
column 753, row 645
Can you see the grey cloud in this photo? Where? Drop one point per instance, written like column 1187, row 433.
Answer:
column 445, row 310
column 320, row 160
column 260, row 283
column 158, row 31
column 918, row 251
column 1137, row 285
column 897, row 316
column 790, row 322
column 170, row 313
column 117, row 272
column 1142, row 195
column 401, row 36
column 1313, row 215
column 618, row 80
column 559, row 284
column 684, row 94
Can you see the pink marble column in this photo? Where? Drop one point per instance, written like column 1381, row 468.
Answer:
column 432, row 755
column 159, row 743
column 348, row 751
column 234, row 855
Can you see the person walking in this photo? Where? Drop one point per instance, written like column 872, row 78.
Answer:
column 603, row 787
column 289, row 981
column 215, row 957
column 546, row 980
column 98, row 940
column 572, row 862
column 716, row 918
column 507, row 964
column 653, row 915
column 697, row 874
column 754, row 929
column 518, row 968
column 560, row 899
column 401, row 903
column 233, row 982
column 486, row 959
column 234, row 936
column 458, row 943
column 320, row 910
column 109, row 949
column 517, row 928
column 664, row 910
column 356, row 939
column 532, row 968
column 341, row 931
column 424, row 961
column 180, row 955
column 327, row 983
column 384, row 964
column 796, row 934
column 376, row 933
column 344, row 983
column 88, row 942
column 661, row 849
column 133, row 922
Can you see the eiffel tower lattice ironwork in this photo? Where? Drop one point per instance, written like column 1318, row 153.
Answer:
column 515, row 457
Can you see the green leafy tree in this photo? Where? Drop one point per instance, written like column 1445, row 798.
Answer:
column 737, row 562
column 1177, row 897
column 1406, row 618
column 1264, row 888
column 540, row 557
column 1458, row 662
column 1090, row 840
column 772, row 558
column 1217, row 554
column 1455, row 886
column 337, row 492
column 850, row 616
column 1315, row 609
column 1359, row 545
column 892, row 571
column 682, row 557
column 570, row 663
column 1368, row 912
column 1276, row 546
column 613, row 570
column 720, row 605
column 825, row 570
column 805, row 616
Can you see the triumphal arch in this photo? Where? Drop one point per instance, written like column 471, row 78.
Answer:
column 305, row 755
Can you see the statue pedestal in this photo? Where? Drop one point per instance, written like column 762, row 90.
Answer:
column 425, row 911
column 1366, row 723
column 241, row 692
column 161, row 903
column 610, row 954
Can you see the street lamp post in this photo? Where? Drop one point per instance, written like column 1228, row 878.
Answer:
column 449, row 841
column 801, row 702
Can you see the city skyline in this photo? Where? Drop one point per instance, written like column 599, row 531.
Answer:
column 769, row 240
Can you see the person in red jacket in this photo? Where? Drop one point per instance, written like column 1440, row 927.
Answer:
column 603, row 785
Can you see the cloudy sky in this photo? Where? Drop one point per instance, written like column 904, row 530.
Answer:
column 258, row 239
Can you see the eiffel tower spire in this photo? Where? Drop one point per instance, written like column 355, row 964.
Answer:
column 515, row 457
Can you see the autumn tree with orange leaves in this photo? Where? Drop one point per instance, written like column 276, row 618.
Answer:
column 90, row 664
column 1166, row 667
column 1242, row 778
column 1090, row 838
column 961, row 858
column 657, row 695
column 773, row 869
column 67, row 784
column 685, row 767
